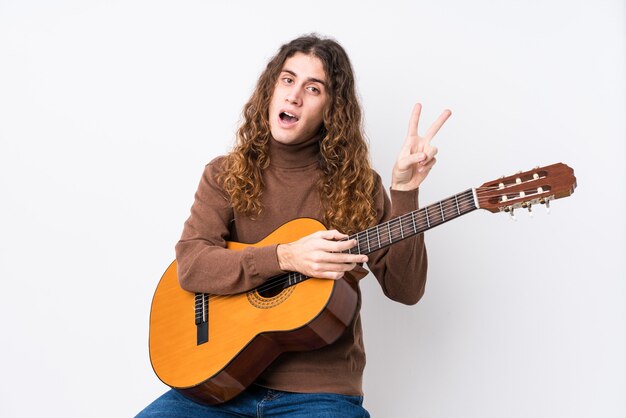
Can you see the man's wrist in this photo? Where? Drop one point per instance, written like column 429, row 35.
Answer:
column 282, row 253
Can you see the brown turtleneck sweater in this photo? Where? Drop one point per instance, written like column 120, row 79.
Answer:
column 290, row 191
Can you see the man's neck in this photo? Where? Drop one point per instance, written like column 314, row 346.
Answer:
column 294, row 155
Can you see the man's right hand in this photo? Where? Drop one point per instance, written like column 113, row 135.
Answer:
column 319, row 255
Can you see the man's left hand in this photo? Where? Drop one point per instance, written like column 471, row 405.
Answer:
column 417, row 156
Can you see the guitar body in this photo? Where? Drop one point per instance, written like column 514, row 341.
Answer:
column 240, row 335
column 247, row 331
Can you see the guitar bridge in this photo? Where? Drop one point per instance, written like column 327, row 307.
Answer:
column 202, row 318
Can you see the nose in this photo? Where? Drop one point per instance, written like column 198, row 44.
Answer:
column 293, row 96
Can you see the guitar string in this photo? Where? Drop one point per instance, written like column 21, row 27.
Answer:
column 413, row 214
column 298, row 276
column 285, row 278
column 467, row 197
column 394, row 229
column 403, row 219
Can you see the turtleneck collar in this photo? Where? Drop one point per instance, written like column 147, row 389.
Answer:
column 296, row 155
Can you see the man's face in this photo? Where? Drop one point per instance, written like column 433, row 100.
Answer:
column 300, row 95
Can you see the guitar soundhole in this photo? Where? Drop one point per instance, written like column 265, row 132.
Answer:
column 271, row 292
column 273, row 286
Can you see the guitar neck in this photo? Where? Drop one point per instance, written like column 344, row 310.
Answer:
column 398, row 229
column 413, row 223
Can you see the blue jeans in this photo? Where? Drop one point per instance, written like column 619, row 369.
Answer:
column 259, row 402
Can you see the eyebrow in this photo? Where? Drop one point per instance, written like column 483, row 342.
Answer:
column 316, row 80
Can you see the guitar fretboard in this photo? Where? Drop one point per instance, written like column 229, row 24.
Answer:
column 412, row 223
column 398, row 229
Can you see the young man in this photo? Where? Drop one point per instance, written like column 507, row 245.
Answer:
column 300, row 152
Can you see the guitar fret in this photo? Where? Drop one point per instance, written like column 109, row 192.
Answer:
column 203, row 310
column 472, row 196
column 419, row 221
column 199, row 307
column 407, row 225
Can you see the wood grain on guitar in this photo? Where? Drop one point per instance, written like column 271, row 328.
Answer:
column 211, row 347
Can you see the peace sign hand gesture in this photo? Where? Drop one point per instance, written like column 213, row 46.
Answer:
column 417, row 156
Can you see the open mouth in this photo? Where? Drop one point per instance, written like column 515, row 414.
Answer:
column 287, row 117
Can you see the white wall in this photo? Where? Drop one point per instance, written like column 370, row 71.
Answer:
column 109, row 111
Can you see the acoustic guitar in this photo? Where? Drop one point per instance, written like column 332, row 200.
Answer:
column 211, row 347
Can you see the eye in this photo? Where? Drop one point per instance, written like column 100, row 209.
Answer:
column 314, row 89
column 287, row 80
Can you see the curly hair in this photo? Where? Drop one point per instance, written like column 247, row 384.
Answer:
column 346, row 186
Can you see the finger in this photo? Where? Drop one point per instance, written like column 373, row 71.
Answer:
column 415, row 118
column 427, row 167
column 330, row 271
column 330, row 245
column 321, row 268
column 337, row 246
column 434, row 128
column 344, row 258
column 330, row 275
column 429, row 154
column 331, row 234
column 338, row 253
column 407, row 161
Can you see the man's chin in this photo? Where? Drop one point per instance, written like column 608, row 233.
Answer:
column 287, row 138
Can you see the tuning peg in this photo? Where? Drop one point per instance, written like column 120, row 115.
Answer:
column 548, row 207
column 530, row 211
column 511, row 212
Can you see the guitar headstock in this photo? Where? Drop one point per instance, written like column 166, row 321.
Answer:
column 527, row 188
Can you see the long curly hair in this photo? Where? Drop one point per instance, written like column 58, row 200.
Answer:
column 346, row 186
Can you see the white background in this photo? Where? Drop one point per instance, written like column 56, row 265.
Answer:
column 109, row 111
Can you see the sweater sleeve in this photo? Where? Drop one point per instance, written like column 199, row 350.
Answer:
column 204, row 262
column 400, row 268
